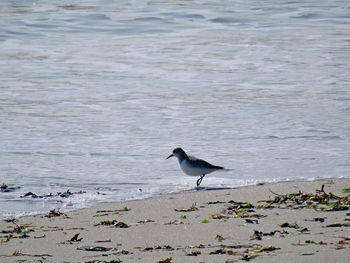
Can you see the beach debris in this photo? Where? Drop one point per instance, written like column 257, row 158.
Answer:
column 308, row 242
column 104, row 241
column 225, row 251
column 107, row 223
column 286, row 224
column 219, row 238
column 190, row 209
column 76, row 238
column 215, row 202
column 219, row 216
column 167, row 247
column 167, row 260
column 37, row 237
column 54, row 213
column 316, row 243
column 319, row 201
column 104, row 261
column 10, row 220
column 258, row 216
column 30, row 194
column 303, row 230
column 106, row 213
column 19, row 254
column 240, row 205
column 121, row 225
column 175, row 222
column 341, row 243
column 248, row 257
column 242, row 209
column 125, row 208
column 300, row 244
column 257, row 235
column 266, row 249
column 317, row 219
column 145, row 221
column 52, row 228
column 249, row 253
column 5, row 188
column 92, row 248
column 124, row 252
column 194, row 253
column 75, row 228
column 115, row 223
column 111, row 211
column 65, row 194
column 145, row 249
column 218, row 251
column 295, row 226
column 251, row 221
column 265, row 206
column 339, row 225
column 21, row 231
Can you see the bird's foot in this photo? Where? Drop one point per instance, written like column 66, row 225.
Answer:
column 200, row 180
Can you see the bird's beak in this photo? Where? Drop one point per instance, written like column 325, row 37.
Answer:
column 171, row 155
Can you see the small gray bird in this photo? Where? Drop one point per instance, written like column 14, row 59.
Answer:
column 193, row 166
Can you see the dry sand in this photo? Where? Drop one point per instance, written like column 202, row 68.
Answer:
column 194, row 226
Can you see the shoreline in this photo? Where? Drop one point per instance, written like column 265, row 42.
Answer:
column 183, row 191
column 213, row 225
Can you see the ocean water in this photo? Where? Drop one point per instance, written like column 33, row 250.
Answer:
column 94, row 95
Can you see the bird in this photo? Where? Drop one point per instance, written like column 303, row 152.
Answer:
column 193, row 166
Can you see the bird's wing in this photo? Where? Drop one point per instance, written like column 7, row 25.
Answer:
column 202, row 162
column 192, row 158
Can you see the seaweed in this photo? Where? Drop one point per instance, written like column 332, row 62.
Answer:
column 250, row 221
column 319, row 201
column 54, row 213
column 92, row 248
column 103, row 261
column 258, row 235
column 190, row 209
column 65, row 194
column 218, row 251
column 286, row 224
column 76, row 238
column 167, row 260
column 5, row 188
column 115, row 223
column 339, row 225
column 194, row 253
column 19, row 254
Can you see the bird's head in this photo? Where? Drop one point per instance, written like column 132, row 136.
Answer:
column 178, row 153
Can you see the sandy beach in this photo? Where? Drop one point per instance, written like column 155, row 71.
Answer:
column 281, row 222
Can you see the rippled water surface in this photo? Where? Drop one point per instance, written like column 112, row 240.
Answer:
column 94, row 95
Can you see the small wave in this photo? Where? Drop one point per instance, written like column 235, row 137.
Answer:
column 150, row 18
column 307, row 16
column 225, row 20
column 97, row 17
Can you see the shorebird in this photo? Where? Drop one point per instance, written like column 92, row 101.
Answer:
column 193, row 166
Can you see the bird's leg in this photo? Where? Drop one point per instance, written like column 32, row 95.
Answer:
column 200, row 180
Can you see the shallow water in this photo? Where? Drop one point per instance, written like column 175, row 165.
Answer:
column 94, row 95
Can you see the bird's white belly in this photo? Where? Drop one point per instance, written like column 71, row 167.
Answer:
column 189, row 169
